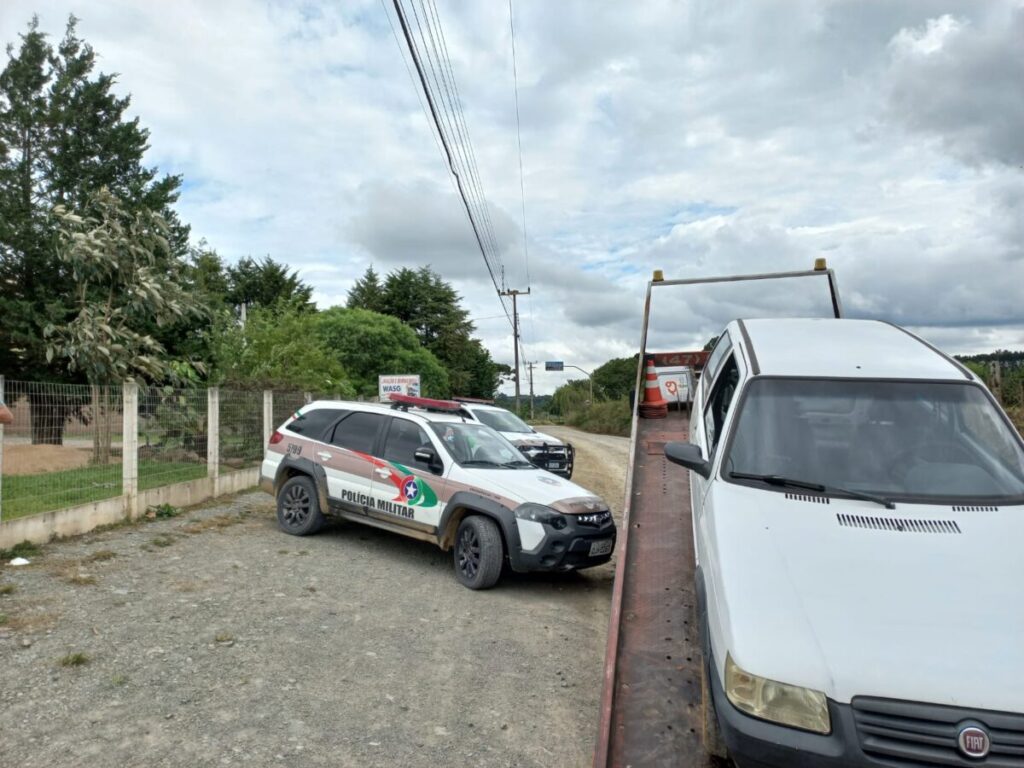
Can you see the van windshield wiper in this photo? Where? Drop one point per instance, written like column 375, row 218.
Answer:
column 827, row 490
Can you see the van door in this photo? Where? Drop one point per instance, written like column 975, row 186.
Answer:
column 404, row 490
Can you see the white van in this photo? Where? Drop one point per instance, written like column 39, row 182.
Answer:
column 858, row 508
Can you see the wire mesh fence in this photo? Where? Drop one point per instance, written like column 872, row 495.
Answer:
column 63, row 447
column 241, row 429
column 173, row 429
column 285, row 405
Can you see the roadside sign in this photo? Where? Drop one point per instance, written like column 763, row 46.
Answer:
column 554, row 365
column 398, row 385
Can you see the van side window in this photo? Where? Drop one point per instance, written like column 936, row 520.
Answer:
column 718, row 402
column 358, row 432
column 404, row 439
column 722, row 348
column 314, row 423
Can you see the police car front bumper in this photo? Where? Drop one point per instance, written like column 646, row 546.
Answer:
column 573, row 547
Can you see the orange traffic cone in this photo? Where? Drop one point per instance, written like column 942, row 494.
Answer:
column 653, row 406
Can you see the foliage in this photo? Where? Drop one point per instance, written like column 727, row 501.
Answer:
column 372, row 344
column 266, row 283
column 63, row 135
column 571, row 396
column 125, row 279
column 278, row 348
column 432, row 308
column 616, row 378
column 612, row 417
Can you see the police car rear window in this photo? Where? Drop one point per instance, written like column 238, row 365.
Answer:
column 312, row 423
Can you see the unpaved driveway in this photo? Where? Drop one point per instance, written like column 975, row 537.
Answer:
column 214, row 639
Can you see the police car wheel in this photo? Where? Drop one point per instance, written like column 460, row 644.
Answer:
column 298, row 507
column 478, row 553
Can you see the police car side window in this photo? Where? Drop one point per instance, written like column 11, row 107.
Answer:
column 717, row 406
column 404, row 438
column 358, row 432
column 313, row 423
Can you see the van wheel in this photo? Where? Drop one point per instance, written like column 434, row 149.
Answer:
column 478, row 553
column 298, row 507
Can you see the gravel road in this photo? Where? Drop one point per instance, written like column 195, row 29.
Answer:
column 212, row 639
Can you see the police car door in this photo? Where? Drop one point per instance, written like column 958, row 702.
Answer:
column 407, row 491
column 348, row 460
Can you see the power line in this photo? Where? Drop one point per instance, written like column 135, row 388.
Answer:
column 519, row 141
column 478, row 200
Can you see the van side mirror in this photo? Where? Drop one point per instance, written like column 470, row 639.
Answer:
column 429, row 457
column 689, row 456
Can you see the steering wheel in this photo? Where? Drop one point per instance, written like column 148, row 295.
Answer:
column 906, row 459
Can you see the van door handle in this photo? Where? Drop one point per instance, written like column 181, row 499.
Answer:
column 323, row 455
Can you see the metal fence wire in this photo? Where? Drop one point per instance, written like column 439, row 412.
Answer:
column 285, row 405
column 241, row 429
column 63, row 447
column 173, row 428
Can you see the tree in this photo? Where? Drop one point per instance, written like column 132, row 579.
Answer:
column 616, row 378
column 63, row 135
column 371, row 344
column 367, row 293
column 277, row 348
column 266, row 283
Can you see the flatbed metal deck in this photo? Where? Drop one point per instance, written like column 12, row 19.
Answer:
column 651, row 702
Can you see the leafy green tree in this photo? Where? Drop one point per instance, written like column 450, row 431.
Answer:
column 371, row 344
column 277, row 348
column 265, row 283
column 63, row 135
column 125, row 280
column 367, row 293
column 616, row 378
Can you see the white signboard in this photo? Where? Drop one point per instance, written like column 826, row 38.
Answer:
column 398, row 385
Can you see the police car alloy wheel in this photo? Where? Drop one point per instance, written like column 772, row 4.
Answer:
column 478, row 553
column 298, row 507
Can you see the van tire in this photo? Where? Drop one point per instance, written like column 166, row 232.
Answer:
column 298, row 507
column 478, row 553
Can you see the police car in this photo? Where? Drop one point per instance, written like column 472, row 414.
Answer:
column 543, row 450
column 422, row 468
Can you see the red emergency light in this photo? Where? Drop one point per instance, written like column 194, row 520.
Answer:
column 426, row 403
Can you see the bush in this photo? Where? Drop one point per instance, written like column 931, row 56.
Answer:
column 612, row 417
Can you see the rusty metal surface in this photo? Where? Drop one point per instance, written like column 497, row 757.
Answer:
column 655, row 714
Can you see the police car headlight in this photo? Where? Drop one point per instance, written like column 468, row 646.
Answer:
column 529, row 450
column 778, row 702
column 541, row 514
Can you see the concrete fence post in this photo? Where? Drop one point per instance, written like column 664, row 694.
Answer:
column 213, row 435
column 130, row 448
column 268, row 416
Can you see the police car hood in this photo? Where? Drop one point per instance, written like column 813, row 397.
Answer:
column 920, row 602
column 538, row 487
column 530, row 438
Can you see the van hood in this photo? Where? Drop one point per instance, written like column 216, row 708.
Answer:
column 854, row 606
column 537, row 486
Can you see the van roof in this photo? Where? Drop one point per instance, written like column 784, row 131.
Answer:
column 843, row 348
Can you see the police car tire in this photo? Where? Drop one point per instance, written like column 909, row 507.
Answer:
column 298, row 507
column 485, row 569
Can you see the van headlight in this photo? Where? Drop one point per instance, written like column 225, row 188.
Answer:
column 778, row 702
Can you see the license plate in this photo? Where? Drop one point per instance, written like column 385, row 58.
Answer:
column 554, row 465
column 602, row 547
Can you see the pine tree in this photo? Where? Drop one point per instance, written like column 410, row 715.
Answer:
column 367, row 293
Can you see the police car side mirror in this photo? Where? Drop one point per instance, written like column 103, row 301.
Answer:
column 688, row 455
column 429, row 457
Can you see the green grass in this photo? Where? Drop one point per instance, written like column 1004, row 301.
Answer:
column 31, row 494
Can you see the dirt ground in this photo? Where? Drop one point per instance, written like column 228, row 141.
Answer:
column 213, row 639
column 25, row 459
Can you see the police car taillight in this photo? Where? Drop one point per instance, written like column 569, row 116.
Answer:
column 276, row 438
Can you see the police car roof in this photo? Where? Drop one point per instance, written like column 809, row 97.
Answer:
column 385, row 409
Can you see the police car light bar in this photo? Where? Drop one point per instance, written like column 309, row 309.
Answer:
column 428, row 404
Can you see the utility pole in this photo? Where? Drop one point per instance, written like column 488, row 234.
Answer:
column 515, row 333
column 530, row 366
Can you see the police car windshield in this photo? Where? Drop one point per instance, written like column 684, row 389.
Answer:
column 503, row 421
column 477, row 445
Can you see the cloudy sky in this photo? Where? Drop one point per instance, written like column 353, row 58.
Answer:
column 701, row 137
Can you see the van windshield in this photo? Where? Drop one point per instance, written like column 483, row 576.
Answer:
column 912, row 441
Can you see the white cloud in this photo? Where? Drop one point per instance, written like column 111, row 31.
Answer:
column 700, row 138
